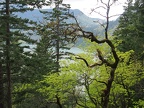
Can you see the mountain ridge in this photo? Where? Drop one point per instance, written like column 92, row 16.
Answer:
column 86, row 22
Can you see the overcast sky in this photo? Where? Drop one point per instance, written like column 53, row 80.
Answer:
column 87, row 5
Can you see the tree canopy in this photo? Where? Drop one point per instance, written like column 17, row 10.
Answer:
column 37, row 69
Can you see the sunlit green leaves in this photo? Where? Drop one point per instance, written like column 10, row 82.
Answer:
column 61, row 84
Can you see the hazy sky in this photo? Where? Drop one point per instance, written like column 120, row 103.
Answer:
column 87, row 5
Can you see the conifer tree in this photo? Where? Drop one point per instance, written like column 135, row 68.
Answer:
column 56, row 34
column 130, row 29
column 14, row 32
column 61, row 32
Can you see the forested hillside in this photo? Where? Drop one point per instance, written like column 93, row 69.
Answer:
column 87, row 23
column 37, row 70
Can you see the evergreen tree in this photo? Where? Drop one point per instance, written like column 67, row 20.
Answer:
column 130, row 29
column 55, row 35
column 60, row 30
column 14, row 32
column 44, row 59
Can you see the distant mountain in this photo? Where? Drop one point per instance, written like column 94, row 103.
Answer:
column 87, row 23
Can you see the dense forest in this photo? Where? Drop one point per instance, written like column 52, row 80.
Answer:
column 42, row 72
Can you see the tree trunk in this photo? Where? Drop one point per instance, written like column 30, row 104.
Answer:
column 57, row 40
column 1, row 88
column 8, row 71
column 58, row 102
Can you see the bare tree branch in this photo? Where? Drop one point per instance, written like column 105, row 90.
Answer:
column 103, row 3
column 92, row 10
column 114, row 15
column 90, row 66
column 99, row 13
column 100, row 24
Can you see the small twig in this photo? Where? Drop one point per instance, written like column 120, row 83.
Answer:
column 114, row 15
column 103, row 3
column 92, row 10
column 102, row 82
column 100, row 14
column 100, row 24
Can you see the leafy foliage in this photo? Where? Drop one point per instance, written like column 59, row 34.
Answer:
column 41, row 77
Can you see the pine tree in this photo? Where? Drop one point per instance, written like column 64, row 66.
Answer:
column 130, row 29
column 58, row 27
column 55, row 34
column 14, row 31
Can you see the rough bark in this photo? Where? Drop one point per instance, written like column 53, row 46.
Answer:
column 1, row 88
column 8, row 71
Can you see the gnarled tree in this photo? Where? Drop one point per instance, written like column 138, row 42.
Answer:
column 103, row 61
